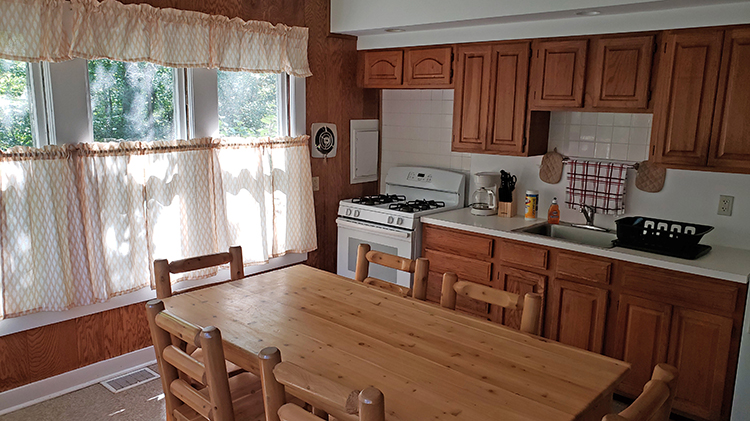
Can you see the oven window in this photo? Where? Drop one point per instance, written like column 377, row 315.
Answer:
column 376, row 271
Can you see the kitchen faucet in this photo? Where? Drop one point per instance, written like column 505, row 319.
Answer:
column 588, row 213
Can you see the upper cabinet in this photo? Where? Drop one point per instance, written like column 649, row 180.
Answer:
column 383, row 69
column 509, row 70
column 730, row 138
column 428, row 67
column 409, row 68
column 471, row 99
column 557, row 73
column 619, row 72
column 685, row 96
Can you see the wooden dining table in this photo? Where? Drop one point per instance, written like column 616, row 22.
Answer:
column 430, row 363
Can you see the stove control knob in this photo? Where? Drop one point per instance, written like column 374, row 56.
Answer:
column 348, row 212
column 390, row 219
column 356, row 213
column 400, row 221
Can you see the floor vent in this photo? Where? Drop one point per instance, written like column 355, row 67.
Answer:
column 132, row 379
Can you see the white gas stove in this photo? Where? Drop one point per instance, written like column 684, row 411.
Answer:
column 390, row 222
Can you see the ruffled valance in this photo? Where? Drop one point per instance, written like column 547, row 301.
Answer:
column 33, row 30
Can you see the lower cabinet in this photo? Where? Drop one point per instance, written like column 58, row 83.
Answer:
column 642, row 339
column 519, row 282
column 699, row 346
column 579, row 314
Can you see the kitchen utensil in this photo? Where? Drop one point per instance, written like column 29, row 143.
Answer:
column 659, row 235
column 507, row 185
column 650, row 177
column 552, row 167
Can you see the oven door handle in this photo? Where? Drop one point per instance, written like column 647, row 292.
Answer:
column 370, row 228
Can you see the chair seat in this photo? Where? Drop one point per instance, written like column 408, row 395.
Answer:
column 247, row 400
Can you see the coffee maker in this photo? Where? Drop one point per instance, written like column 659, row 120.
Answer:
column 484, row 199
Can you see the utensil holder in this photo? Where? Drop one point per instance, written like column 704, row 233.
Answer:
column 506, row 209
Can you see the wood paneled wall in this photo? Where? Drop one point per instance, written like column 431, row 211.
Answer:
column 332, row 97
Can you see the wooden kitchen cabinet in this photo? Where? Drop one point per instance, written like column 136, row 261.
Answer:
column 428, row 67
column 578, row 314
column 642, row 339
column 471, row 98
column 730, row 139
column 383, row 69
column 619, row 73
column 557, row 73
column 519, row 282
column 685, row 97
column 509, row 75
column 699, row 347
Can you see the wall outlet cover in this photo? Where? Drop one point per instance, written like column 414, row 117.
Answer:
column 725, row 205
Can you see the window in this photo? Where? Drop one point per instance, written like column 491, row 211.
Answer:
column 132, row 101
column 16, row 105
column 249, row 104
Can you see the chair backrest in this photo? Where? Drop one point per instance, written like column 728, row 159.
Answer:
column 163, row 268
column 174, row 364
column 419, row 267
column 655, row 402
column 530, row 305
column 327, row 396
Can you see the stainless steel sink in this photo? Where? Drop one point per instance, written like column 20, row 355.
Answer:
column 573, row 234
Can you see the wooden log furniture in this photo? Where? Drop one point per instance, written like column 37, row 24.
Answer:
column 163, row 268
column 655, row 403
column 430, row 362
column 222, row 398
column 531, row 305
column 325, row 395
column 419, row 267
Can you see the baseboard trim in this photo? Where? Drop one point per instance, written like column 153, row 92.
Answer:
column 30, row 394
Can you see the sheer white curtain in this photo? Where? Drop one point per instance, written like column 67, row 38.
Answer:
column 82, row 223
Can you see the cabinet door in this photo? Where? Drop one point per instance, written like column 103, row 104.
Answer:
column 642, row 339
column 699, row 347
column 519, row 282
column 557, row 69
column 685, row 96
column 383, row 69
column 471, row 102
column 508, row 86
column 730, row 142
column 429, row 67
column 578, row 315
column 620, row 72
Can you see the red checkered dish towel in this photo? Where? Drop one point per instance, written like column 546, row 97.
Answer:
column 597, row 184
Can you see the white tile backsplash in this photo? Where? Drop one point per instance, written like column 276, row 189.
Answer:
column 618, row 136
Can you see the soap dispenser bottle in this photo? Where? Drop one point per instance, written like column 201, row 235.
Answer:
column 553, row 216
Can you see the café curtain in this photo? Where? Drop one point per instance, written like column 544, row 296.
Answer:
column 83, row 223
column 36, row 30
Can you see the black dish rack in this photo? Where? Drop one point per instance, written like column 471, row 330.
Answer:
column 662, row 236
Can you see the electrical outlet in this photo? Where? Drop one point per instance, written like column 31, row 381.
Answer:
column 316, row 183
column 725, row 205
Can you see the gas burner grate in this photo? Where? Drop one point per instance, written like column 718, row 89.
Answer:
column 379, row 199
column 417, row 205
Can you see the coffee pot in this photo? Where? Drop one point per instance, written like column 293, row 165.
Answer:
column 484, row 198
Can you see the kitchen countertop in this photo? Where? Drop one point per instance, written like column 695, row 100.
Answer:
column 731, row 264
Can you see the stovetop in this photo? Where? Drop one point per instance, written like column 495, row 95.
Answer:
column 415, row 206
column 379, row 199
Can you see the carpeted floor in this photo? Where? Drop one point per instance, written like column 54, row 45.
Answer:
column 144, row 402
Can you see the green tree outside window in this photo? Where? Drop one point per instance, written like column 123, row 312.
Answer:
column 131, row 101
column 15, row 105
column 247, row 104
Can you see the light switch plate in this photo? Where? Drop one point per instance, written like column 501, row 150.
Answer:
column 316, row 183
column 725, row 205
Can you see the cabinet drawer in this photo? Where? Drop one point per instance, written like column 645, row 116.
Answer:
column 466, row 269
column 584, row 267
column 521, row 254
column 682, row 289
column 457, row 242
column 465, row 304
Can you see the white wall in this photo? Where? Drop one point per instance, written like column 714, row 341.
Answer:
column 689, row 196
column 443, row 27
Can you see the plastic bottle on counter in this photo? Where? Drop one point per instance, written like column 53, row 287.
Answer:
column 532, row 204
column 553, row 215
